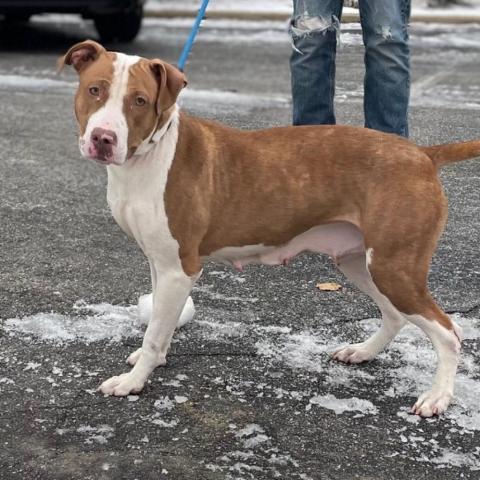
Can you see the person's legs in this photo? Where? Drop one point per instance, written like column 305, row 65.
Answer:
column 387, row 64
column 315, row 27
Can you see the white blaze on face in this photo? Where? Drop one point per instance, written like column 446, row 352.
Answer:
column 111, row 116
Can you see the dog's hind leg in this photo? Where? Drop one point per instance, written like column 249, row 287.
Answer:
column 404, row 283
column 355, row 269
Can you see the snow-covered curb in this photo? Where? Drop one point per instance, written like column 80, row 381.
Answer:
column 269, row 12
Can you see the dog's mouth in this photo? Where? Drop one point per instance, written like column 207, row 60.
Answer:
column 99, row 158
column 102, row 157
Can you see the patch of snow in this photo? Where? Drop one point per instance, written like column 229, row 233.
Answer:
column 249, row 5
column 164, row 424
column 241, row 467
column 406, row 367
column 255, row 441
column 308, row 351
column 215, row 99
column 408, row 417
column 217, row 331
column 455, row 458
column 32, row 366
column 62, row 18
column 35, row 84
column 99, row 434
column 341, row 405
column 252, row 436
column 172, row 383
column 249, row 429
column 94, row 323
column 164, row 403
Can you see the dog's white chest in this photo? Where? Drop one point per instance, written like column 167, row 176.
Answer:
column 136, row 194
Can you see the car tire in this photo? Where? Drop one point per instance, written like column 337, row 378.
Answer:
column 15, row 18
column 120, row 27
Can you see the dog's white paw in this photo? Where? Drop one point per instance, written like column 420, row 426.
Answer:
column 145, row 307
column 135, row 356
column 433, row 402
column 122, row 385
column 355, row 353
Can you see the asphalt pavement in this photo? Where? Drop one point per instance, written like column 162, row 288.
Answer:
column 249, row 391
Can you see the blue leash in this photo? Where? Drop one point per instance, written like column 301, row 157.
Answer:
column 191, row 38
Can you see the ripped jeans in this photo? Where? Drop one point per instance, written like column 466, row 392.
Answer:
column 315, row 29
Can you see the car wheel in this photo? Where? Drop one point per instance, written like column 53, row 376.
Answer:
column 120, row 27
column 13, row 18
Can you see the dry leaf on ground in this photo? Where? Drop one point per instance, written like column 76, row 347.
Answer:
column 329, row 286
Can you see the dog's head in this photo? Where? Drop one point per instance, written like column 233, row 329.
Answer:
column 121, row 100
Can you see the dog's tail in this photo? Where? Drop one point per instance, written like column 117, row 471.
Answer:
column 452, row 152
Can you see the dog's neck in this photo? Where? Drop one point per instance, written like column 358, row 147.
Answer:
column 135, row 175
column 155, row 136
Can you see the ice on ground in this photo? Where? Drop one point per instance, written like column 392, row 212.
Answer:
column 180, row 399
column 341, row 405
column 32, row 366
column 219, row 100
column 93, row 323
column 164, row 404
column 163, row 423
column 405, row 369
column 99, row 434
column 455, row 458
column 420, row 9
column 249, row 430
column 249, row 32
column 35, row 84
column 255, row 441
column 249, row 5
column 408, row 365
column 252, row 436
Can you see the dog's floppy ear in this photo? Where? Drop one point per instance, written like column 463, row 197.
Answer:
column 81, row 55
column 170, row 82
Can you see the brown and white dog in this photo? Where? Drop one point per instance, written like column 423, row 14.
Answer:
column 190, row 190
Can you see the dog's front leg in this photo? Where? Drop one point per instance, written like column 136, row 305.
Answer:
column 171, row 290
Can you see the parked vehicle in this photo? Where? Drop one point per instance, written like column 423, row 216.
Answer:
column 115, row 20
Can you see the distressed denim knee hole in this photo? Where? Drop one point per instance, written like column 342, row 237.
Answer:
column 307, row 26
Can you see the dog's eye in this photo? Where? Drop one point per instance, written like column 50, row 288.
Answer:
column 94, row 91
column 140, row 101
